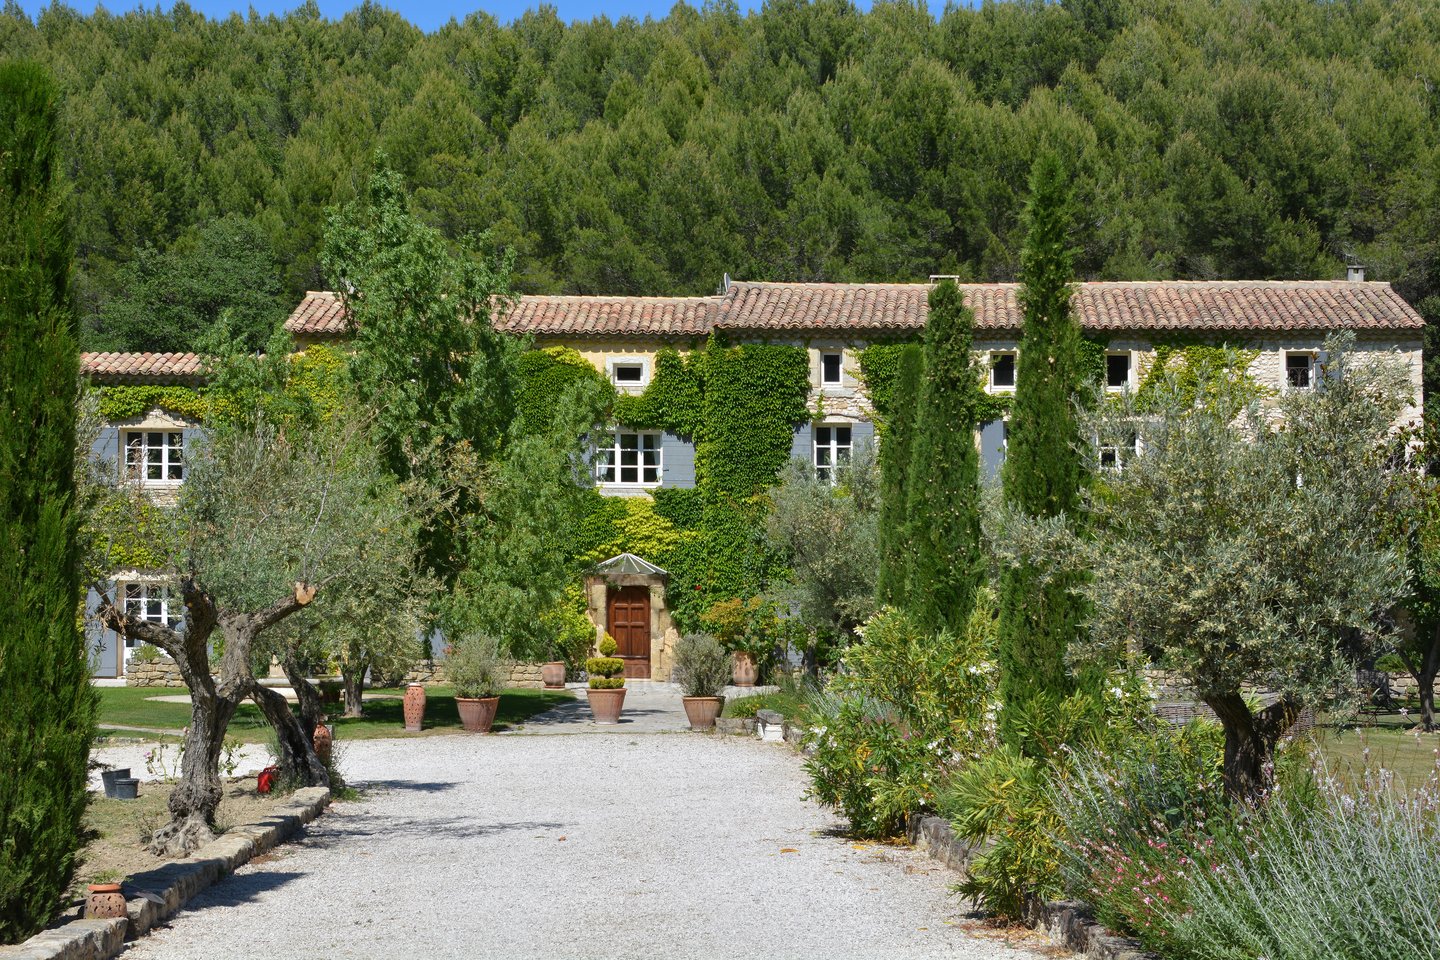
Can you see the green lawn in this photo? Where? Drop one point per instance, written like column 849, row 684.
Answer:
column 1393, row 742
column 130, row 706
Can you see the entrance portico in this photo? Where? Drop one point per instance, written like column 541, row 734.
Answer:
column 625, row 596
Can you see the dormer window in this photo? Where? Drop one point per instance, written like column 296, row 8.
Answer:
column 1002, row 371
column 832, row 365
column 1117, row 370
column 1299, row 371
column 627, row 372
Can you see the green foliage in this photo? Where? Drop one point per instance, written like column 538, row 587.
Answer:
column 702, row 667
column 48, row 718
column 545, row 377
column 754, row 395
column 881, row 371
column 606, row 670
column 126, row 402
column 1039, row 617
column 477, row 668
column 943, row 492
column 907, row 709
column 684, row 507
column 893, row 541
column 746, row 626
column 608, row 646
column 674, row 398
column 1203, row 372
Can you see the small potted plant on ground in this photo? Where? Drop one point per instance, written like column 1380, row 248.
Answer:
column 479, row 673
column 702, row 668
column 607, row 682
column 747, row 628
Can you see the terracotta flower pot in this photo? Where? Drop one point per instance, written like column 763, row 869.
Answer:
column 606, row 704
column 476, row 715
column 702, row 711
column 414, row 707
column 553, row 674
column 104, row 902
column 744, row 671
column 323, row 740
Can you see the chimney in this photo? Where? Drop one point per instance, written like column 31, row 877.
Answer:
column 1355, row 272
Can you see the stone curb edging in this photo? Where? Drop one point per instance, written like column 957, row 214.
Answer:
column 157, row 895
column 1067, row 922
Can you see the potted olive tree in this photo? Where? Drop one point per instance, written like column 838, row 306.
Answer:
column 702, row 668
column 479, row 672
column 607, row 682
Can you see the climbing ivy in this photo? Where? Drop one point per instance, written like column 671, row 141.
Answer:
column 754, row 395
column 127, row 402
column 544, row 377
column 1186, row 360
column 674, row 399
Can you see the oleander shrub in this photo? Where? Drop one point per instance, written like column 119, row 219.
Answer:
column 906, row 708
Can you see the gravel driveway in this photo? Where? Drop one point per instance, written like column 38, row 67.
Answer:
column 564, row 847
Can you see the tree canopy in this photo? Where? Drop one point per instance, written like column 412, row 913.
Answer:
column 803, row 141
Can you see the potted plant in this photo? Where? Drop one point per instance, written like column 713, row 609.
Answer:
column 607, row 682
column 479, row 673
column 749, row 629
column 702, row 668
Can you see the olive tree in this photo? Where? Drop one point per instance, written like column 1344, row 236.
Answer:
column 1246, row 548
column 270, row 520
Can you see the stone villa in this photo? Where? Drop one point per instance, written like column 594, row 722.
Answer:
column 1285, row 322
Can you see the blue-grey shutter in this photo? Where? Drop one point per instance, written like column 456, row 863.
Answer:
column 192, row 437
column 102, row 643
column 105, row 451
column 862, row 434
column 436, row 641
column 802, row 447
column 677, row 461
column 992, row 449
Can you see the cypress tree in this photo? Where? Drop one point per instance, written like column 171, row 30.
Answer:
column 47, row 708
column 895, row 453
column 1043, row 467
column 943, row 503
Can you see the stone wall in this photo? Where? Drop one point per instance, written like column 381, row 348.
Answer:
column 522, row 675
column 159, row 672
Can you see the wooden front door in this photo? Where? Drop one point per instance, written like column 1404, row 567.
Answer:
column 628, row 621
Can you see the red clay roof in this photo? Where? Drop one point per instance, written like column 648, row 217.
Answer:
column 142, row 367
column 1197, row 306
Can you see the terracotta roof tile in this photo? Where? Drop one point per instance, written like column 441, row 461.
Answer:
column 1199, row 306
column 612, row 316
column 122, row 368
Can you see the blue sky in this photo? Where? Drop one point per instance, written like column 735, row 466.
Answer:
column 427, row 15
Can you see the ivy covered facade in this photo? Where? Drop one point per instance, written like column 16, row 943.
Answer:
column 714, row 396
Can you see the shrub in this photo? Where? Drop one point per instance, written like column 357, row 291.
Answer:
column 702, row 667
column 745, row 626
column 476, row 667
column 906, row 708
column 1134, row 823
column 1348, row 874
column 606, row 670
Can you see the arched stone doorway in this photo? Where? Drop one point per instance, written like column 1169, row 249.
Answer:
column 625, row 596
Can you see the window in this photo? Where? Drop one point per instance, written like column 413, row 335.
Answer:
column 150, row 602
column 832, row 450
column 1299, row 371
column 1117, row 370
column 155, row 456
column 1114, row 455
column 631, row 460
column 831, row 365
column 628, row 373
column 1002, row 371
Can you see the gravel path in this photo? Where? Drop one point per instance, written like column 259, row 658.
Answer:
column 563, row 847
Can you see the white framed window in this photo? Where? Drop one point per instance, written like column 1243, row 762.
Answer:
column 155, row 457
column 1002, row 370
column 631, row 460
column 1299, row 370
column 1114, row 455
column 833, row 443
column 151, row 602
column 832, row 368
column 1118, row 366
column 629, row 372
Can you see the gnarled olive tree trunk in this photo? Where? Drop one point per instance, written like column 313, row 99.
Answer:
column 1250, row 740
column 213, row 702
column 1424, row 670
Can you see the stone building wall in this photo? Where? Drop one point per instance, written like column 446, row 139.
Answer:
column 158, row 672
column 525, row 676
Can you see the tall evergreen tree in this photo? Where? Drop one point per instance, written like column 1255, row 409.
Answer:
column 48, row 714
column 894, row 529
column 943, row 501
column 1043, row 467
